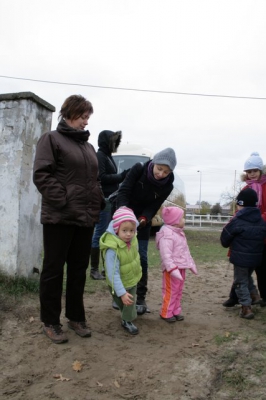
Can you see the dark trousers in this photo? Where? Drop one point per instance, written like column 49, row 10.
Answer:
column 143, row 242
column 261, row 279
column 142, row 286
column 243, row 283
column 70, row 245
column 261, row 276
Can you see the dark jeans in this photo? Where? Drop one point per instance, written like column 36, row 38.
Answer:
column 142, row 286
column 261, row 279
column 101, row 226
column 243, row 283
column 143, row 241
column 68, row 244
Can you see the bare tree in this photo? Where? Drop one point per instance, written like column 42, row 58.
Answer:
column 230, row 196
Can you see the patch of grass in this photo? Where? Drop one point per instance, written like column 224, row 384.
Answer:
column 234, row 378
column 228, row 357
column 205, row 246
column 225, row 338
column 17, row 285
column 153, row 254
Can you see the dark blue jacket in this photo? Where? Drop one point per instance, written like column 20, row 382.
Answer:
column 245, row 235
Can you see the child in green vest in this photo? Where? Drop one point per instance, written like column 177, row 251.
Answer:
column 119, row 247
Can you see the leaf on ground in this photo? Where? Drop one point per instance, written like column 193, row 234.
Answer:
column 77, row 366
column 60, row 377
column 116, row 384
column 99, row 384
column 31, row 319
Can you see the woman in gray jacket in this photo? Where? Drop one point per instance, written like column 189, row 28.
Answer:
column 66, row 175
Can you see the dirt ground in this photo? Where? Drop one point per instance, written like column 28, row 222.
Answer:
column 180, row 361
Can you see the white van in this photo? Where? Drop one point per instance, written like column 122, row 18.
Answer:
column 131, row 153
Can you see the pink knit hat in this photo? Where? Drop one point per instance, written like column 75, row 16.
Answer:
column 172, row 215
column 123, row 214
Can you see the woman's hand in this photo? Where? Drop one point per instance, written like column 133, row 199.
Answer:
column 127, row 299
column 142, row 222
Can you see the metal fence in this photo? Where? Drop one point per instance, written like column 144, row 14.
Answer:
column 207, row 220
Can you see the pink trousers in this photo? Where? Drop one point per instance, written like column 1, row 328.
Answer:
column 172, row 290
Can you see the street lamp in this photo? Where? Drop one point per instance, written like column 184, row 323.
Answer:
column 200, row 192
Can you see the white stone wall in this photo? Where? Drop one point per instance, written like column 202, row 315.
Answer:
column 22, row 121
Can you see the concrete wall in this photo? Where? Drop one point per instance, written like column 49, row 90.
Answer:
column 23, row 118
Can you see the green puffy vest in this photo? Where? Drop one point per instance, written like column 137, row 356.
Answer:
column 130, row 268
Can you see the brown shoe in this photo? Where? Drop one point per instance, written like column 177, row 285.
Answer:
column 246, row 312
column 55, row 333
column 80, row 328
column 255, row 298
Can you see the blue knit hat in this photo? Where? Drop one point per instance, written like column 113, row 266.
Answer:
column 254, row 162
column 165, row 157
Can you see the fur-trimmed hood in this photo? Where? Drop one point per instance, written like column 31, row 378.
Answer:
column 109, row 141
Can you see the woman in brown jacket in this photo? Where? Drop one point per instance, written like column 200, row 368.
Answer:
column 66, row 175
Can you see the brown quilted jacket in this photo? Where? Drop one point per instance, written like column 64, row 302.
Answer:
column 66, row 174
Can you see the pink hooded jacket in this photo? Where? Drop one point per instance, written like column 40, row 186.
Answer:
column 174, row 251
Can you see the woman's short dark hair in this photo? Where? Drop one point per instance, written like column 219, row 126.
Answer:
column 75, row 106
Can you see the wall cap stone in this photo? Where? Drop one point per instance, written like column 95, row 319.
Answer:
column 27, row 95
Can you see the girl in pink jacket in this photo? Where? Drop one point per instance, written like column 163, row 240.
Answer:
column 176, row 258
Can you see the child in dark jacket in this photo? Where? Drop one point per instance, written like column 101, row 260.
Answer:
column 245, row 234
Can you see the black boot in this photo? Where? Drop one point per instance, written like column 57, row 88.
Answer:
column 231, row 302
column 95, row 258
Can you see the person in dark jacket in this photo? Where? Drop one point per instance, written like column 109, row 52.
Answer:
column 254, row 177
column 66, row 174
column 144, row 190
column 245, row 234
column 108, row 142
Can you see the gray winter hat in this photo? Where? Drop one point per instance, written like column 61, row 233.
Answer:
column 165, row 157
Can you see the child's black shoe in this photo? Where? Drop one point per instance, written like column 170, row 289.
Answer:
column 130, row 327
column 171, row 319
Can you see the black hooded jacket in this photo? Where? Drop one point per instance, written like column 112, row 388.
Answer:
column 108, row 143
column 245, row 235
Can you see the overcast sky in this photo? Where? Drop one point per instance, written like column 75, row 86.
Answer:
column 192, row 46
